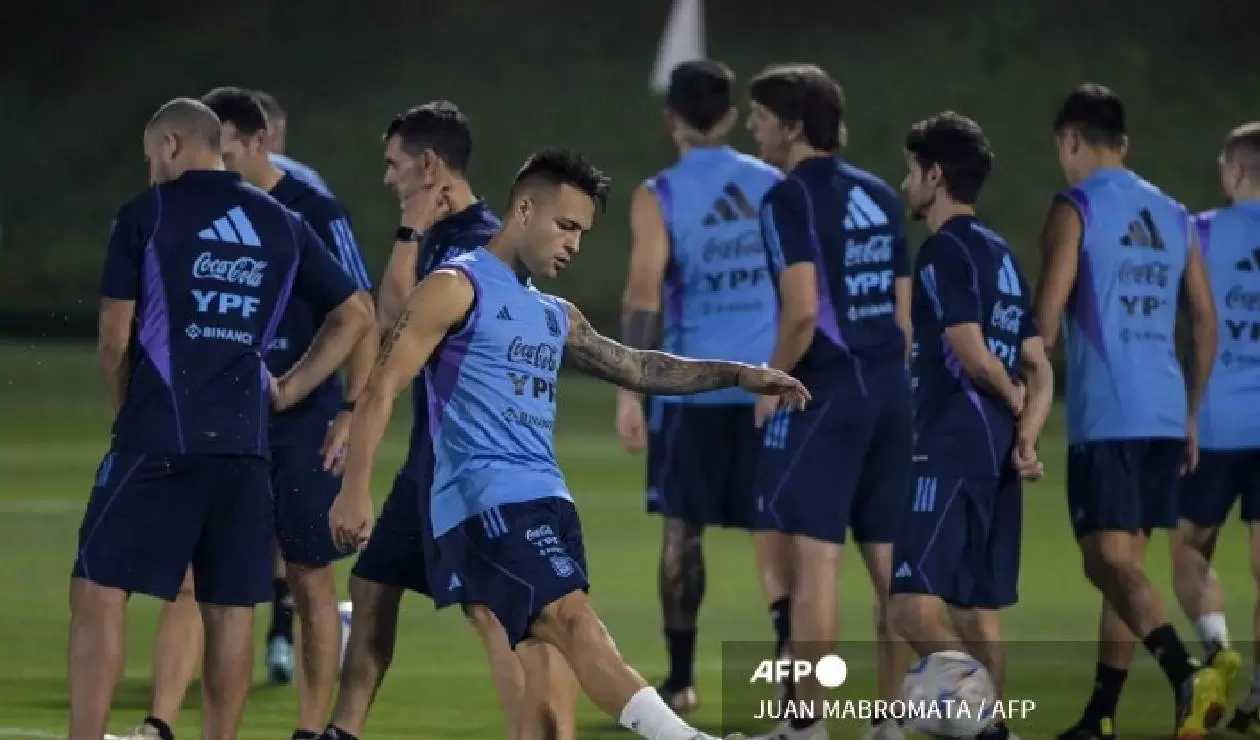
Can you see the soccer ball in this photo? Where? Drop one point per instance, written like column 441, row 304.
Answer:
column 948, row 694
column 343, row 611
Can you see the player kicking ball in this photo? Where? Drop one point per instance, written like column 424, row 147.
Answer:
column 490, row 346
column 983, row 390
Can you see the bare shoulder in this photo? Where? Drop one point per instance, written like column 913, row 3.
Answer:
column 446, row 295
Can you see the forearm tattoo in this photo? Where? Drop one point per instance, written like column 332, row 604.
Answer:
column 643, row 371
column 640, row 329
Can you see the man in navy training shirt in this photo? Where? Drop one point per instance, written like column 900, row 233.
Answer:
column 278, row 139
column 838, row 256
column 695, row 241
column 305, row 444
column 983, row 388
column 490, row 346
column 428, row 149
column 198, row 274
column 280, row 632
column 1125, row 255
column 1229, row 428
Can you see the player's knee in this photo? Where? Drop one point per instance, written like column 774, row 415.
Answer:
column 1190, row 539
column 1108, row 560
column 570, row 620
column 373, row 617
column 313, row 586
column 910, row 615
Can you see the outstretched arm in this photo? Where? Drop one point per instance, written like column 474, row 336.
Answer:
column 642, row 371
column 439, row 303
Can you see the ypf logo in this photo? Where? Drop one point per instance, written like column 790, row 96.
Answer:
column 830, row 671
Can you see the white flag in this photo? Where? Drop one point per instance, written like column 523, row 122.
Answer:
column 683, row 41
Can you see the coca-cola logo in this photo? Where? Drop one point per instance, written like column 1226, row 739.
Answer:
column 543, row 356
column 240, row 271
column 1007, row 318
column 1239, row 298
column 1144, row 273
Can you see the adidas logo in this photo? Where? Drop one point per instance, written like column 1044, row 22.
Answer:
column 1250, row 263
column 903, row 570
column 503, row 314
column 233, row 227
column 455, row 583
column 1143, row 233
column 862, row 212
column 1008, row 278
column 723, row 210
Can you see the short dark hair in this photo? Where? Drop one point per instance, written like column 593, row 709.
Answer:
column 959, row 147
column 1096, row 113
column 189, row 117
column 238, row 107
column 439, row 126
column 804, row 94
column 1243, row 146
column 700, row 93
column 271, row 107
column 556, row 167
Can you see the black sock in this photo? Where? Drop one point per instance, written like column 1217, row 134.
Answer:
column 305, row 735
column 163, row 729
column 1108, row 682
column 996, row 731
column 281, row 611
column 333, row 732
column 682, row 656
column 1171, row 653
column 780, row 619
column 802, row 724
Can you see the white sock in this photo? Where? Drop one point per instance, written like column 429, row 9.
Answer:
column 1212, row 630
column 647, row 715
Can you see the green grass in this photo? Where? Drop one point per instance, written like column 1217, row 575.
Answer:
column 54, row 431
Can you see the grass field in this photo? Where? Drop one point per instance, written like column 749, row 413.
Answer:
column 54, row 430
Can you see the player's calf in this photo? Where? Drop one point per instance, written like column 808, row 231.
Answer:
column 548, row 708
column 571, row 625
column 315, row 598
column 226, row 668
column 97, row 627
column 505, row 666
column 919, row 619
column 681, row 582
column 373, row 632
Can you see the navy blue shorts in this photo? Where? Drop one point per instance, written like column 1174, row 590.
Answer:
column 401, row 551
column 1124, row 485
column 151, row 516
column 516, row 559
column 304, row 493
column 959, row 539
column 1223, row 476
column 838, row 465
column 702, row 463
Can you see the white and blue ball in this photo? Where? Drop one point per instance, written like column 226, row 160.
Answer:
column 961, row 689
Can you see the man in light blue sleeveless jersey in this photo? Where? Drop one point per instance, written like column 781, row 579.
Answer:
column 696, row 243
column 1124, row 254
column 1229, row 429
column 490, row 346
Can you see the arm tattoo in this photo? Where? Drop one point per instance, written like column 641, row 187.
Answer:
column 640, row 329
column 643, row 371
column 391, row 340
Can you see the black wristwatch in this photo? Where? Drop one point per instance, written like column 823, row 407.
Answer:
column 406, row 234
column 347, row 405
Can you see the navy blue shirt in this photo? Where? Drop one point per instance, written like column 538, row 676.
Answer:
column 966, row 274
column 454, row 235
column 848, row 223
column 211, row 263
column 307, row 422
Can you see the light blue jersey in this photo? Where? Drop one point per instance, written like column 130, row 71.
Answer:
column 719, row 300
column 1230, row 240
column 303, row 172
column 492, row 397
column 1123, row 377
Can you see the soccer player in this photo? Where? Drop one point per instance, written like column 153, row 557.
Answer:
column 428, row 149
column 1125, row 254
column 838, row 256
column 277, row 140
column 490, row 346
column 695, row 238
column 983, row 388
column 198, row 274
column 1229, row 430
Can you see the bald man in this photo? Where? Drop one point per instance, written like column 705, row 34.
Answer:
column 198, row 271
